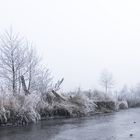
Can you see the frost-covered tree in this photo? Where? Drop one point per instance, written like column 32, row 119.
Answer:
column 16, row 60
column 42, row 82
column 106, row 80
column 31, row 68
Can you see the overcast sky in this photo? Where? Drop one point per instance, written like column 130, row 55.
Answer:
column 79, row 38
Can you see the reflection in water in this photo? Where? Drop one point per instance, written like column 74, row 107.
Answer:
column 116, row 126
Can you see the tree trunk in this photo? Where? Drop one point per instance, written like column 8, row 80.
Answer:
column 57, row 95
column 30, row 77
column 14, row 77
column 24, row 85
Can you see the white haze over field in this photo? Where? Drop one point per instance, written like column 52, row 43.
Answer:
column 77, row 39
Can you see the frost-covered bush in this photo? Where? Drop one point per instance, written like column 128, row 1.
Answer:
column 85, row 104
column 4, row 115
column 132, row 96
column 121, row 105
column 77, row 104
column 133, row 101
column 8, row 105
column 93, row 101
column 20, row 109
column 101, row 96
column 28, row 110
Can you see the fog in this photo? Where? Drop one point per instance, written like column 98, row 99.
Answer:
column 77, row 39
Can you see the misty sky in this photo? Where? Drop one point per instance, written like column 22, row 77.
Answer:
column 79, row 38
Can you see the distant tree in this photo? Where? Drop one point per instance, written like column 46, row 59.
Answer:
column 106, row 80
column 124, row 92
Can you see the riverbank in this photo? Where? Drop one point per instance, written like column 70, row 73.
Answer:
column 22, row 110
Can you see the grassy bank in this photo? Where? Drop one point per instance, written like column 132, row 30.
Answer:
column 21, row 109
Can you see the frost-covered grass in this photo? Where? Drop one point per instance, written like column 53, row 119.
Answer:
column 95, row 101
column 73, row 106
column 22, row 109
column 19, row 109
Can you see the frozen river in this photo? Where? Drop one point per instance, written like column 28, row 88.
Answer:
column 115, row 126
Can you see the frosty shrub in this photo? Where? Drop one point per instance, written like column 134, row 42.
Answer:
column 28, row 110
column 132, row 96
column 101, row 96
column 121, row 105
column 20, row 109
column 69, row 105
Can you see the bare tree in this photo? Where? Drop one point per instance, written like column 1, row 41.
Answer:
column 16, row 60
column 43, row 81
column 106, row 80
column 32, row 67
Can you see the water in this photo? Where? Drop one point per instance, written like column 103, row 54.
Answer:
column 115, row 126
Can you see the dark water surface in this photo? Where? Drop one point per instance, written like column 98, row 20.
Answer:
column 115, row 126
